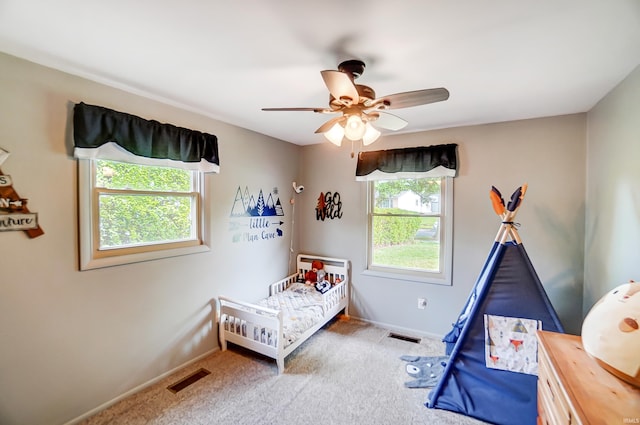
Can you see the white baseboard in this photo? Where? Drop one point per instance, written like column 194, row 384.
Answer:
column 139, row 388
column 399, row 329
column 392, row 328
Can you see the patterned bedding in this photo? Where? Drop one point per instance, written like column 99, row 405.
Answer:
column 301, row 307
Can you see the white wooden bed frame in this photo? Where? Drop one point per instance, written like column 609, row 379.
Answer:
column 234, row 312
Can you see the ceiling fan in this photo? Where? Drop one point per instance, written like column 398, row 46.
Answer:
column 359, row 107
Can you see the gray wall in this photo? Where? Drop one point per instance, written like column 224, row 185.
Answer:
column 71, row 341
column 548, row 154
column 612, row 252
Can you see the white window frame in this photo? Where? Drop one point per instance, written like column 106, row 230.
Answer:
column 446, row 243
column 92, row 258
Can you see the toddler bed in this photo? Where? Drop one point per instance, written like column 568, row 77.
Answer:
column 293, row 312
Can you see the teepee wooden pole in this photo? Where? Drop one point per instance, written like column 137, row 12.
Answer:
column 507, row 214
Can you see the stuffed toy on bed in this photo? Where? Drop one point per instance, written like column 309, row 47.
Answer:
column 311, row 276
column 322, row 284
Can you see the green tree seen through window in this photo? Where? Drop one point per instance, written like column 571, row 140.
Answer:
column 143, row 204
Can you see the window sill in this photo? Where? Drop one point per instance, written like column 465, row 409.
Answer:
column 88, row 263
column 408, row 277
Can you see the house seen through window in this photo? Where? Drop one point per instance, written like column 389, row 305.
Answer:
column 410, row 228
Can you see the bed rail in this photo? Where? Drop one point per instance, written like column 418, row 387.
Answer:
column 249, row 325
column 261, row 329
column 337, row 269
column 283, row 284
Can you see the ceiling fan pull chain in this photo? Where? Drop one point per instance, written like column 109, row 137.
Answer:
column 352, row 154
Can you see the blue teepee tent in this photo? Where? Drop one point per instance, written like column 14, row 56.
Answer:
column 491, row 373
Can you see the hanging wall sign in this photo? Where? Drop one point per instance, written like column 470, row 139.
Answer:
column 256, row 217
column 14, row 214
column 329, row 206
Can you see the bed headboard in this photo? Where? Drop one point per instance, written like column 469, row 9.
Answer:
column 334, row 267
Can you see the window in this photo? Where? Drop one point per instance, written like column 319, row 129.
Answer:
column 131, row 213
column 410, row 229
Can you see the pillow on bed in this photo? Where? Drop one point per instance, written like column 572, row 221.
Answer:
column 323, row 286
column 302, row 288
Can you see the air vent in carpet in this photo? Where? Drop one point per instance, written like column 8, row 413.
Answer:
column 191, row 379
column 404, row 337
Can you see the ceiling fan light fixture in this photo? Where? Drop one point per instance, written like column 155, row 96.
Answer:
column 359, row 107
column 354, row 129
column 371, row 134
column 335, row 134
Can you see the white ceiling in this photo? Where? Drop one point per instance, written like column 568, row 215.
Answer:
column 500, row 59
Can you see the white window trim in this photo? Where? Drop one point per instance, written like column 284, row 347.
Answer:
column 442, row 278
column 87, row 217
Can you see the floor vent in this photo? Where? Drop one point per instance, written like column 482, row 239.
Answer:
column 404, row 337
column 191, row 379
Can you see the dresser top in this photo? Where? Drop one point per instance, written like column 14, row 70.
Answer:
column 594, row 392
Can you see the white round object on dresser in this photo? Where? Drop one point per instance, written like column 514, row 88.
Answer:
column 611, row 334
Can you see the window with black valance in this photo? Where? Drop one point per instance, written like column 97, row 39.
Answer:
column 416, row 162
column 102, row 133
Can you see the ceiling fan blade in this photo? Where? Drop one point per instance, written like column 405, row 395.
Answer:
column 413, row 98
column 329, row 124
column 298, row 109
column 389, row 122
column 340, row 86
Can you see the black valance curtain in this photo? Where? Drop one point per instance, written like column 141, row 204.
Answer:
column 103, row 133
column 430, row 161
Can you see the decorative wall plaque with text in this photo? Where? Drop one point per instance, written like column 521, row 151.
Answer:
column 14, row 214
column 256, row 217
column 329, row 206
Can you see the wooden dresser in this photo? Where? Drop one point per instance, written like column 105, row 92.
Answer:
column 574, row 389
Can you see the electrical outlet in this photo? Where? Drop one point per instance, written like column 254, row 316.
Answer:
column 422, row 303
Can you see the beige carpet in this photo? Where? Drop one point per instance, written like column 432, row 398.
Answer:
column 349, row 373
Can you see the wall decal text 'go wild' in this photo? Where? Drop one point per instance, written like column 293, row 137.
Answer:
column 329, row 206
